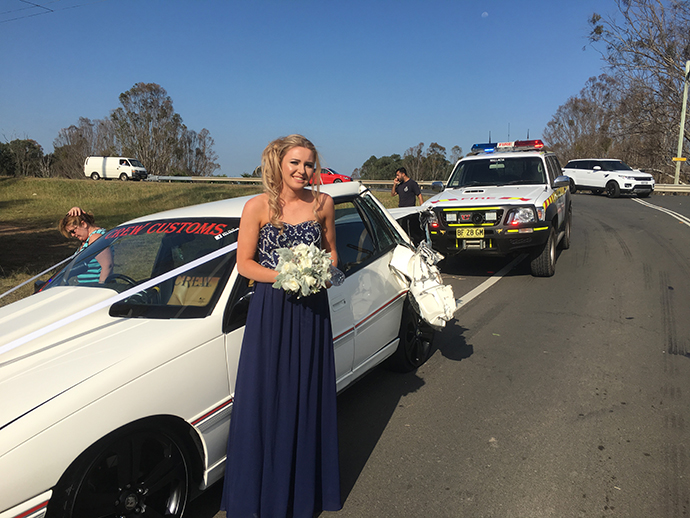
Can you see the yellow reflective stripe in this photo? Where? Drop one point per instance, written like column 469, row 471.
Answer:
column 470, row 225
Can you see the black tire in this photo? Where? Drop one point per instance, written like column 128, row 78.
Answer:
column 337, row 180
column 573, row 187
column 543, row 263
column 95, row 176
column 612, row 190
column 124, row 474
column 416, row 339
column 565, row 240
column 124, row 177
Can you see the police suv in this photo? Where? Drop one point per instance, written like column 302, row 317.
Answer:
column 500, row 199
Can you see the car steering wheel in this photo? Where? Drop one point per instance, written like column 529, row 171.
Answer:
column 121, row 276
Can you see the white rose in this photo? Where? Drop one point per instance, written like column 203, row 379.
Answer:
column 291, row 285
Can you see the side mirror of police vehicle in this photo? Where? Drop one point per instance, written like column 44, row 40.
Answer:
column 561, row 181
column 437, row 186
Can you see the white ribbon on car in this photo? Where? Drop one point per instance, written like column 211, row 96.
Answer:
column 37, row 276
column 117, row 298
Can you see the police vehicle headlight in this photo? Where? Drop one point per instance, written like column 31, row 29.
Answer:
column 521, row 216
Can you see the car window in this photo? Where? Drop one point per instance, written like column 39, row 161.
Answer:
column 362, row 233
column 614, row 165
column 499, row 171
column 143, row 251
column 552, row 168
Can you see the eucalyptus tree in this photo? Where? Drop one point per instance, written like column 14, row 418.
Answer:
column 147, row 127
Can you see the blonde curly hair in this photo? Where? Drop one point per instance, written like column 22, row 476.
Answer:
column 272, row 177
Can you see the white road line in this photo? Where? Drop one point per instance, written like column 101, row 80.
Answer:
column 487, row 283
column 683, row 219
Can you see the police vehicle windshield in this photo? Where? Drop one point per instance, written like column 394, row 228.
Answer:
column 498, row 171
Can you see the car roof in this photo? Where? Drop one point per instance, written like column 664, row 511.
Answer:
column 232, row 207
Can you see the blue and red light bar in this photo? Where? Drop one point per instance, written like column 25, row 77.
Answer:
column 521, row 145
column 483, row 148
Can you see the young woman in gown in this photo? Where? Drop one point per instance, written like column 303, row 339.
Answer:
column 282, row 458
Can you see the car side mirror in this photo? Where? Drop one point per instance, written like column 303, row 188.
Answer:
column 561, row 181
column 437, row 186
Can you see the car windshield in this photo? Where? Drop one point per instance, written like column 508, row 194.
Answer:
column 498, row 171
column 132, row 254
column 614, row 165
column 136, row 163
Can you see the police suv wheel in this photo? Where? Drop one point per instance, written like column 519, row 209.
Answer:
column 543, row 262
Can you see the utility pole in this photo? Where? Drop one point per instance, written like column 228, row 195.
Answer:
column 679, row 156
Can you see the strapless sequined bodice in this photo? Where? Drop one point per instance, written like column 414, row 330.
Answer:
column 270, row 239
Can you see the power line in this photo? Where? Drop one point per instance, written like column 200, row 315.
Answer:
column 45, row 10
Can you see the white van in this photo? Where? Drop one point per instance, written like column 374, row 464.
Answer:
column 97, row 167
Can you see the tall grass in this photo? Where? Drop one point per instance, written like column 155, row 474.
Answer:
column 41, row 202
column 31, row 207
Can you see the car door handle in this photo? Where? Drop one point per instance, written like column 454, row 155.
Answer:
column 339, row 304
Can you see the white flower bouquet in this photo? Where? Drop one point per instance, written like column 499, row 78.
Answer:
column 305, row 270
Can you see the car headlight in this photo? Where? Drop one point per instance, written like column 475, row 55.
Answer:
column 521, row 216
column 624, row 177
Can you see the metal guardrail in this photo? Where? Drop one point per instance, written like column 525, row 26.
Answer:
column 669, row 187
column 660, row 187
column 254, row 181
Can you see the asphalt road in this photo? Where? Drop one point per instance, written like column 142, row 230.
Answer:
column 546, row 397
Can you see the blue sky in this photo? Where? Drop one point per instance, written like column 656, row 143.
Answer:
column 358, row 78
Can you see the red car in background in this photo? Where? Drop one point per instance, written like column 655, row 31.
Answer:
column 330, row 176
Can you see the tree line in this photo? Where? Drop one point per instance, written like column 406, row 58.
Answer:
column 145, row 126
column 632, row 111
column 421, row 164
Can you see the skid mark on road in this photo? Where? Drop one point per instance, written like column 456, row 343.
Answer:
column 673, row 345
column 676, row 500
column 624, row 247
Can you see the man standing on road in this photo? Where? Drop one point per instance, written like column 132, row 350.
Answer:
column 406, row 188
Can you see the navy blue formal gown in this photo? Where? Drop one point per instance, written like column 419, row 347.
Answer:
column 282, row 459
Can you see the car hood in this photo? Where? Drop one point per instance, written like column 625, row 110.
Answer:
column 45, row 367
column 637, row 173
column 486, row 195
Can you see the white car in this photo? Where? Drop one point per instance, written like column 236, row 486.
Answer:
column 610, row 175
column 116, row 397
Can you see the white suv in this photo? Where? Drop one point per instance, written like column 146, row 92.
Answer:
column 610, row 175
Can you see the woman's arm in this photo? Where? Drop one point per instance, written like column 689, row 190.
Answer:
column 328, row 224
column 105, row 259
column 254, row 215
